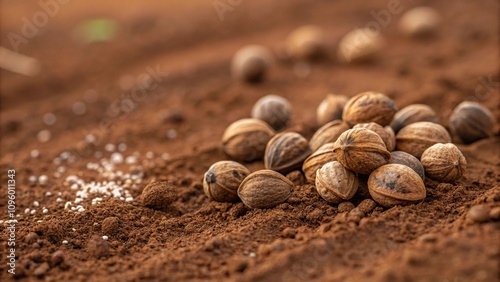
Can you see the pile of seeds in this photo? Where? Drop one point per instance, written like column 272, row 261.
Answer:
column 363, row 146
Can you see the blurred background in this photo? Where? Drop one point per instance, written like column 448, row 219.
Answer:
column 72, row 59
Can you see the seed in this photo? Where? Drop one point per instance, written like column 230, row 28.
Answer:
column 478, row 214
column 250, row 63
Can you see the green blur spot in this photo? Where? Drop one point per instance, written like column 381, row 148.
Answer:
column 98, row 30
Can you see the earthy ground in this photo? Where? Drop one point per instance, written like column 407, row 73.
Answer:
column 172, row 129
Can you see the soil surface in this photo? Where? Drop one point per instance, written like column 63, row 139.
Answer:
column 114, row 134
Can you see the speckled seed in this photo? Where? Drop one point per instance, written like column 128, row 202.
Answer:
column 444, row 162
column 395, row 184
column 471, row 121
column 400, row 157
column 264, row 189
column 222, row 179
column 273, row 109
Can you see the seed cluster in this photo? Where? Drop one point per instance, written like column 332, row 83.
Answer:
column 374, row 151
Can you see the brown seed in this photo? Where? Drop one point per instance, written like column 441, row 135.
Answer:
column 335, row 183
column 305, row 43
column 369, row 107
column 395, row 184
column 400, row 157
column 419, row 21
column 328, row 133
column 387, row 135
column 315, row 161
column 251, row 63
column 471, row 121
column 415, row 138
column 444, row 162
column 359, row 45
column 495, row 213
column 158, row 195
column 246, row 139
column 361, row 150
column 221, row 181
column 273, row 109
column 478, row 214
column 391, row 140
column 286, row 152
column 330, row 109
column 264, row 189
column 411, row 114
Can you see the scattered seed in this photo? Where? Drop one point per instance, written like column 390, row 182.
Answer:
column 64, row 242
column 105, row 238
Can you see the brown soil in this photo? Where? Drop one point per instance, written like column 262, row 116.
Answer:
column 304, row 238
